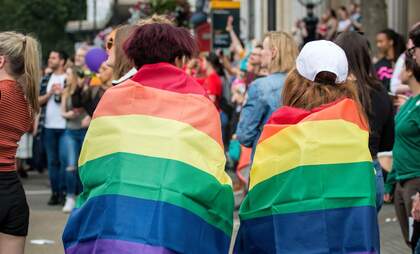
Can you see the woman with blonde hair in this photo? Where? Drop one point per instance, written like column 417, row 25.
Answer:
column 20, row 73
column 73, row 136
column 278, row 56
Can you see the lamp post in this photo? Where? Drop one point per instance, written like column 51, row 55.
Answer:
column 310, row 2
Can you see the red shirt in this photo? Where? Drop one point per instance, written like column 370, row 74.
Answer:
column 213, row 86
column 15, row 120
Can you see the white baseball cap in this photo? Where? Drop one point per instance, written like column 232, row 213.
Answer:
column 322, row 55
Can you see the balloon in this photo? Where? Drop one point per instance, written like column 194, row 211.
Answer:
column 94, row 58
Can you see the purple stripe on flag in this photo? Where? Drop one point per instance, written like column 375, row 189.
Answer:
column 105, row 246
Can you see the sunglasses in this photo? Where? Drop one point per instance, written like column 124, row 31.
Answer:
column 109, row 44
column 411, row 50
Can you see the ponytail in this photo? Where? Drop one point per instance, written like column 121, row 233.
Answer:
column 23, row 56
column 32, row 74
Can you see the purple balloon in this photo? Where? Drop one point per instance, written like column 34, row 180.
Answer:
column 94, row 58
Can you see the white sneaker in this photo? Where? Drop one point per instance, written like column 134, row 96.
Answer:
column 69, row 205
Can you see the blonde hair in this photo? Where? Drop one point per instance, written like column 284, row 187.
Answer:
column 159, row 19
column 72, row 82
column 22, row 54
column 286, row 54
column 122, row 64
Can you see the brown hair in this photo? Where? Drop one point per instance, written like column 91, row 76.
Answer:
column 122, row 64
column 287, row 51
column 302, row 93
column 22, row 53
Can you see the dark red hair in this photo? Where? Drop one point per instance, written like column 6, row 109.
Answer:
column 155, row 43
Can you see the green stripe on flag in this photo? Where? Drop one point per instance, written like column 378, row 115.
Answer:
column 160, row 179
column 311, row 188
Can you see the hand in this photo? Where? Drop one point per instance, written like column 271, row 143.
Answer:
column 415, row 211
column 387, row 197
column 229, row 25
column 56, row 88
column 399, row 100
column 86, row 122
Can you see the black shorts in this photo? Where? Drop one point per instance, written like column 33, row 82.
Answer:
column 14, row 210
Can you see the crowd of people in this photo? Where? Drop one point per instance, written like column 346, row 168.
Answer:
column 331, row 23
column 253, row 91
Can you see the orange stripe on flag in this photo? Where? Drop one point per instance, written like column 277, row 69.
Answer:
column 191, row 109
column 343, row 110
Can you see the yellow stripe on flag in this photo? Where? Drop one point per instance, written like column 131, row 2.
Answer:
column 309, row 143
column 155, row 137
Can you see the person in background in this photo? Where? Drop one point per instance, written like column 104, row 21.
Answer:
column 355, row 17
column 19, row 77
column 73, row 136
column 405, row 174
column 374, row 99
column 214, row 75
column 322, row 29
column 79, row 57
column 54, row 124
column 253, row 66
column 311, row 22
column 122, row 68
column 396, row 86
column 414, row 51
column 278, row 56
column 87, row 96
column 299, row 32
column 344, row 23
column 390, row 45
column 332, row 24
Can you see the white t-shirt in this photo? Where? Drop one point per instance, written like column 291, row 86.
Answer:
column 53, row 117
column 343, row 25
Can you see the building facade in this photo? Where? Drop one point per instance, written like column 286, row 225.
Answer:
column 260, row 16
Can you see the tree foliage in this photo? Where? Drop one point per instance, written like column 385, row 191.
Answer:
column 46, row 19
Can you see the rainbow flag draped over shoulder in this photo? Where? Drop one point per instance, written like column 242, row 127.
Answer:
column 312, row 186
column 152, row 168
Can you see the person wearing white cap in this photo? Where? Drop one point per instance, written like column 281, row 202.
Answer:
column 312, row 184
column 320, row 77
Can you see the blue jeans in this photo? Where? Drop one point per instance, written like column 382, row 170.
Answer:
column 73, row 140
column 56, row 158
column 379, row 185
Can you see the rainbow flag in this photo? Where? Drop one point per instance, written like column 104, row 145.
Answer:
column 152, row 168
column 312, row 186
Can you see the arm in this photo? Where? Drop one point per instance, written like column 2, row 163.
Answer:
column 236, row 44
column 387, row 135
column 43, row 99
column 251, row 117
column 395, row 80
column 390, row 182
column 70, row 114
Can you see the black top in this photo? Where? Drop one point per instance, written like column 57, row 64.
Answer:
column 384, row 69
column 311, row 23
column 381, row 122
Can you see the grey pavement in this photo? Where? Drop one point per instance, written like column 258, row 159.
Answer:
column 47, row 223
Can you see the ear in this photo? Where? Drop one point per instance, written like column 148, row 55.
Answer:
column 274, row 52
column 179, row 62
column 2, row 62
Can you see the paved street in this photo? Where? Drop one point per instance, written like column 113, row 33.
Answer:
column 47, row 223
